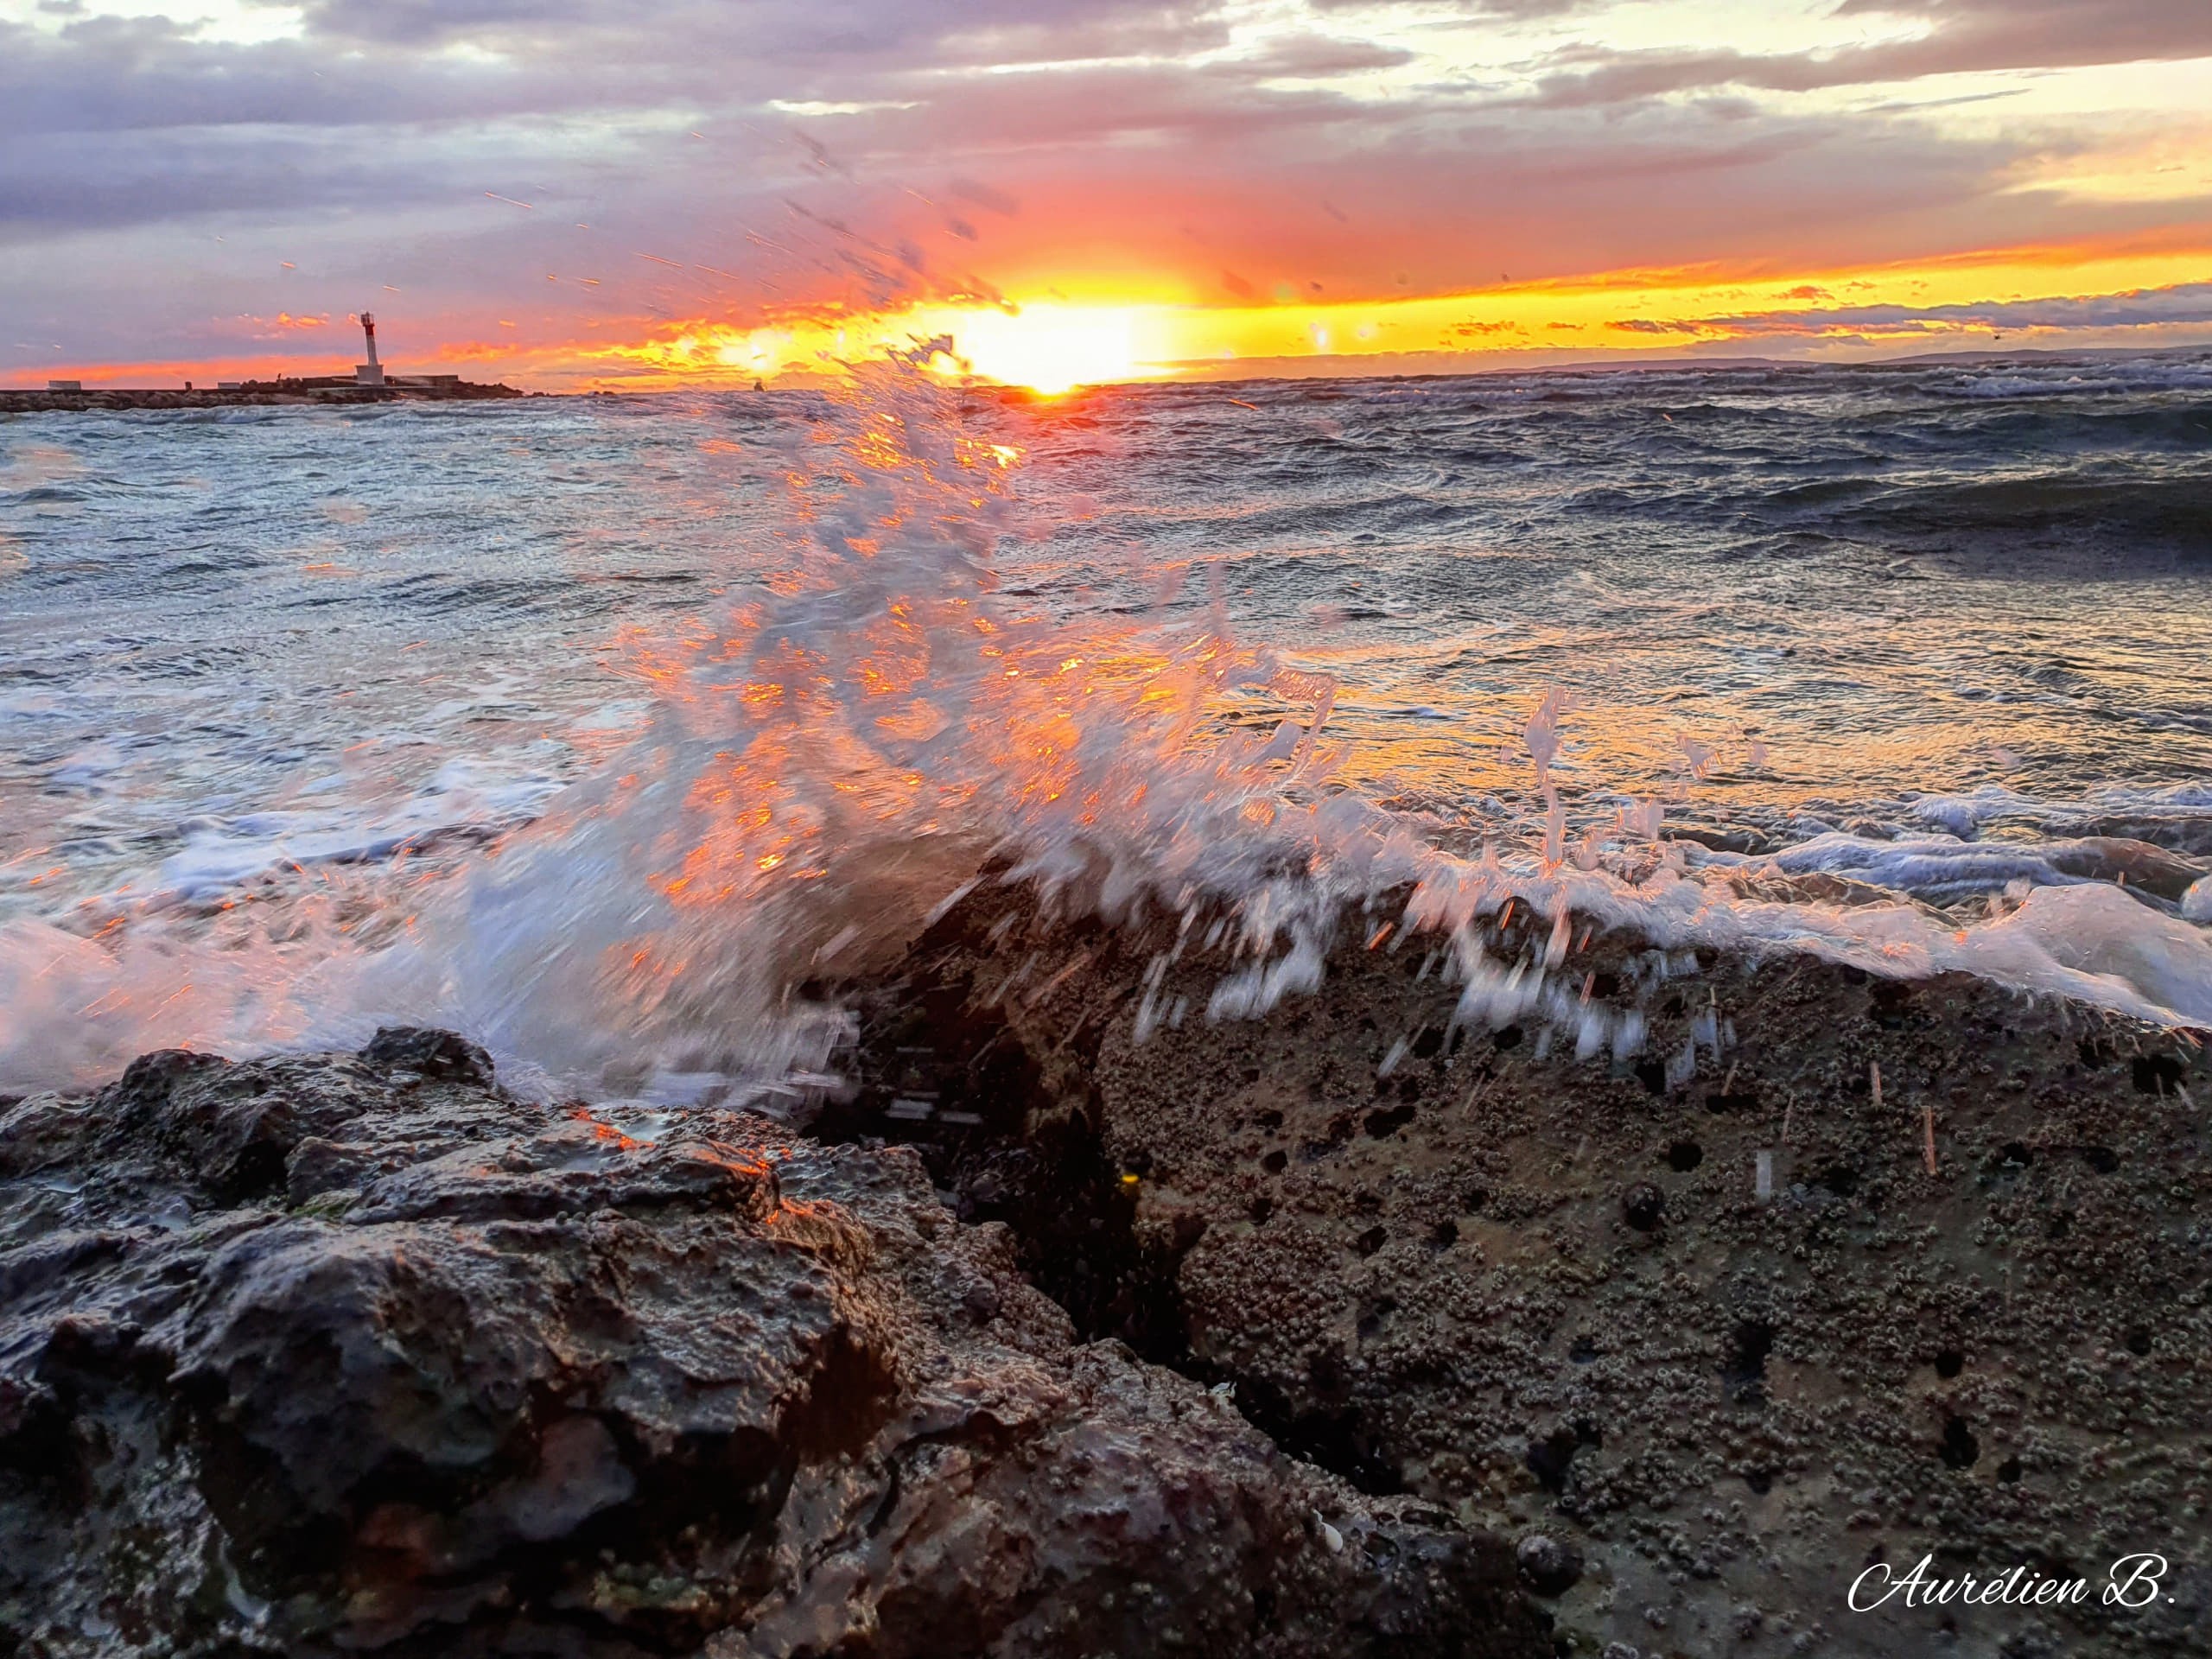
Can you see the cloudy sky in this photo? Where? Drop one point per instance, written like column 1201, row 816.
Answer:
column 569, row 192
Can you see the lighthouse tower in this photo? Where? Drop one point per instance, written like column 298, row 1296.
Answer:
column 370, row 373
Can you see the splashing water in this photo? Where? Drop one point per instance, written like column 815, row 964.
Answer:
column 870, row 723
column 837, row 757
column 820, row 769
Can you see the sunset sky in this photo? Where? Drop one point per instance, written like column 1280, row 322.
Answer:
column 569, row 193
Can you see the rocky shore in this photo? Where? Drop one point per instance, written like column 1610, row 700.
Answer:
column 358, row 1353
column 1963, row 1313
column 1342, row 1331
column 33, row 403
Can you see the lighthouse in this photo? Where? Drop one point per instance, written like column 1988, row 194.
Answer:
column 370, row 373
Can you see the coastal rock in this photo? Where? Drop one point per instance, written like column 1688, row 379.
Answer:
column 1642, row 1205
column 2135, row 863
column 1964, row 1313
column 358, row 1353
column 1547, row 1566
column 260, row 393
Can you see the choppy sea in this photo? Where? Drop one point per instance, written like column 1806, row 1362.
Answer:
column 609, row 728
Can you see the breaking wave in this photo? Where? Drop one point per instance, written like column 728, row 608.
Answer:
column 870, row 724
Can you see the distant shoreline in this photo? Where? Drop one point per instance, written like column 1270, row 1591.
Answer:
column 106, row 398
column 1371, row 368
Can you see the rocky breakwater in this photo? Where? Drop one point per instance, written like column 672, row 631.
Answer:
column 251, row 394
column 358, row 1353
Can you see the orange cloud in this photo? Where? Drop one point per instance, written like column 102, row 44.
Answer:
column 283, row 323
column 2041, row 291
column 1077, row 332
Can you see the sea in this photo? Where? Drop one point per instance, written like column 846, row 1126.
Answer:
column 617, row 730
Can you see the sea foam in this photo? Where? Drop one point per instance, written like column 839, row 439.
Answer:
column 871, row 726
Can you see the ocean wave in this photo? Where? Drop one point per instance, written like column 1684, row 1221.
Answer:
column 870, row 724
column 2105, row 381
column 2139, row 512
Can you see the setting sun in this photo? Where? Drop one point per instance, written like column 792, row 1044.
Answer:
column 1049, row 348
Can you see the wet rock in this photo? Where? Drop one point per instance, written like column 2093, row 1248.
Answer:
column 438, row 1054
column 1777, row 1359
column 1547, row 1566
column 1810, row 886
column 1719, row 839
column 454, row 1372
column 2113, row 858
column 1642, row 1205
column 1549, row 1457
column 40, row 1130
